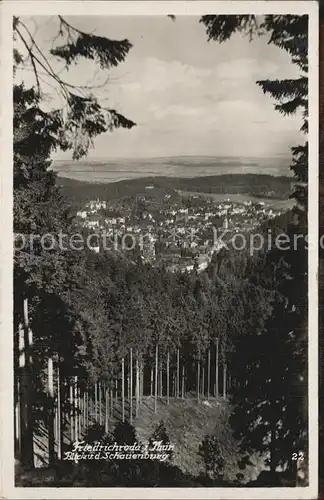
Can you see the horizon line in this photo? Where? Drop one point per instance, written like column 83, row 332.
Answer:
column 101, row 158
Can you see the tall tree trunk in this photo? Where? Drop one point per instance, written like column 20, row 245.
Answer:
column 123, row 390
column 17, row 420
column 137, row 386
column 96, row 403
column 161, row 383
column 55, row 422
column 80, row 411
column 156, row 378
column 26, row 417
column 131, row 387
column 76, row 409
column 84, row 412
column 142, row 381
column 224, row 380
column 106, row 410
column 90, row 408
column 151, row 381
column 59, row 416
column 87, row 410
column 100, row 406
column 16, row 394
column 71, row 412
column 111, row 403
column 50, row 414
column 203, row 381
column 80, row 403
column 208, row 374
column 29, row 336
column 183, row 382
column 217, row 369
column 168, row 378
column 198, row 379
column 22, row 394
column 178, row 373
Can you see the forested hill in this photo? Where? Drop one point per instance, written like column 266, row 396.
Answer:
column 252, row 184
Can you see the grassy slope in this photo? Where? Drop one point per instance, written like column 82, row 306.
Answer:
column 187, row 422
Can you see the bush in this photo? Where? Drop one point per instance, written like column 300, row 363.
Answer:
column 211, row 453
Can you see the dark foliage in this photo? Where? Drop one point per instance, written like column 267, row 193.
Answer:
column 271, row 360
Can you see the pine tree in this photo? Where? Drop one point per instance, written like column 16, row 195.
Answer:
column 83, row 116
column 270, row 399
column 289, row 33
column 160, row 434
column 210, row 451
column 46, row 275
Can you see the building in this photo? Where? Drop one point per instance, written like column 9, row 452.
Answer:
column 82, row 214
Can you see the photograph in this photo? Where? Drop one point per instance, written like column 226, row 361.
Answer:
column 162, row 182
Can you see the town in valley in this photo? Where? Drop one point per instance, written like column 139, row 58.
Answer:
column 172, row 228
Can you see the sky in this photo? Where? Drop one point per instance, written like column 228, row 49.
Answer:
column 187, row 96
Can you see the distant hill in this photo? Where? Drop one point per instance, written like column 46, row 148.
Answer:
column 266, row 186
column 112, row 170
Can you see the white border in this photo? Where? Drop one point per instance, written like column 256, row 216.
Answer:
column 7, row 10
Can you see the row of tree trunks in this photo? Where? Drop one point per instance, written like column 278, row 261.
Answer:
column 201, row 382
column 158, row 388
column 98, row 408
column 178, row 387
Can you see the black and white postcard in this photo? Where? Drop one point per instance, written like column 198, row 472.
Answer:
column 159, row 249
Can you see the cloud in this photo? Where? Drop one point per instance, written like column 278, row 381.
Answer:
column 186, row 95
column 153, row 88
column 155, row 75
column 181, row 108
column 160, row 112
column 245, row 69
